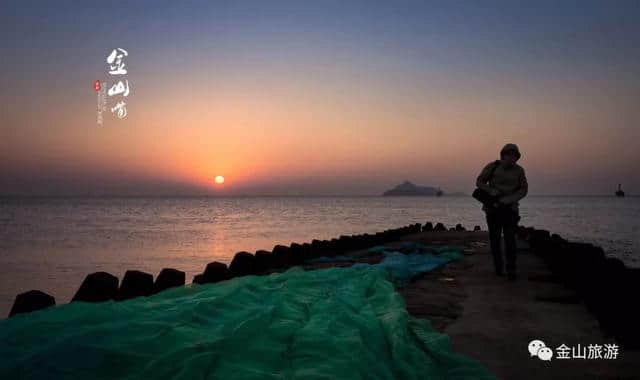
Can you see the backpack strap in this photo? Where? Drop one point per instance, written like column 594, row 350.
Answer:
column 493, row 169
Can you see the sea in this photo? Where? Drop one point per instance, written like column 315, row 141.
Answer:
column 51, row 244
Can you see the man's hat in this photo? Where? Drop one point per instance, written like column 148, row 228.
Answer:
column 511, row 148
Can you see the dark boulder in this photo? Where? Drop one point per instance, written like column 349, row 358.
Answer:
column 530, row 231
column 428, row 227
column 263, row 261
column 588, row 263
column 168, row 278
column 477, row 228
column 215, row 272
column 629, row 329
column 540, row 242
column 306, row 252
column 198, row 279
column 343, row 244
column 459, row 227
column 366, row 241
column 326, row 247
column 97, row 287
column 135, row 284
column 243, row 264
column 282, row 256
column 317, row 248
column 611, row 280
column 440, row 227
column 295, row 250
column 522, row 232
column 31, row 301
column 334, row 247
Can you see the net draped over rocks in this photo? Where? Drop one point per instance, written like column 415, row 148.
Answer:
column 337, row 323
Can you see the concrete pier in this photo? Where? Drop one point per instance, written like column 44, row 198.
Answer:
column 493, row 320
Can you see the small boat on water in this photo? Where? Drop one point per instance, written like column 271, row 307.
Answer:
column 619, row 192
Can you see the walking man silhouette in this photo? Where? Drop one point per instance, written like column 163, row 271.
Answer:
column 506, row 182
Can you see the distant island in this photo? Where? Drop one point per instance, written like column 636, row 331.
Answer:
column 409, row 189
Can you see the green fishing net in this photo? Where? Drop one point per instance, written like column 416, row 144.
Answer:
column 338, row 323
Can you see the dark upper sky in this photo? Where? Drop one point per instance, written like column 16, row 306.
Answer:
column 327, row 97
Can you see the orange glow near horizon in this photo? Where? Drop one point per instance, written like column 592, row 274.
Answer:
column 326, row 139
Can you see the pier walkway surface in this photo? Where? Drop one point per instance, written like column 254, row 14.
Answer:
column 493, row 320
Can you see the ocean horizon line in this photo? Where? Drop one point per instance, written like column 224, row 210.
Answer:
column 453, row 195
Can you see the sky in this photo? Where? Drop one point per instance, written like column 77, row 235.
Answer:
column 318, row 98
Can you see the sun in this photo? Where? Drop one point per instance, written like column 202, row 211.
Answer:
column 219, row 179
